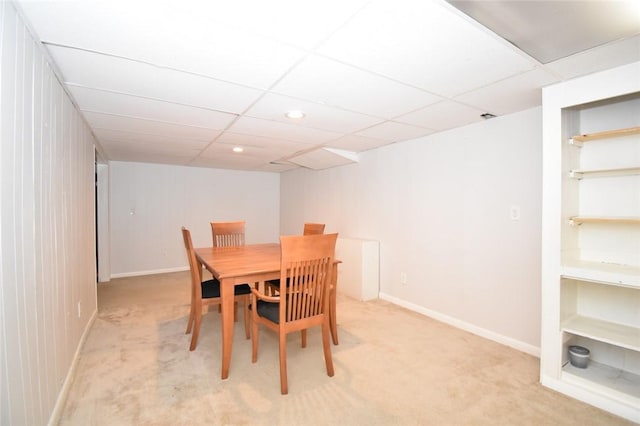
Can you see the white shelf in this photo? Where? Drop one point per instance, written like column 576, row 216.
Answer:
column 614, row 383
column 620, row 335
column 627, row 171
column 604, row 273
column 579, row 220
column 608, row 134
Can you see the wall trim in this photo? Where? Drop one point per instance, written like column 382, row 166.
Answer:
column 479, row 331
column 150, row 272
column 54, row 419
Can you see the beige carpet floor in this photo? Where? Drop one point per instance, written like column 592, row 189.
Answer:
column 392, row 367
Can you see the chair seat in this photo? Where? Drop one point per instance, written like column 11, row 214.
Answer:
column 274, row 288
column 211, row 289
column 269, row 310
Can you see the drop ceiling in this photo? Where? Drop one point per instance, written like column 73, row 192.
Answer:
column 186, row 81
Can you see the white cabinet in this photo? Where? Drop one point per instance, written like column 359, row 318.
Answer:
column 591, row 238
column 358, row 274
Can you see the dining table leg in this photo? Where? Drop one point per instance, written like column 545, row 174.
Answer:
column 227, row 299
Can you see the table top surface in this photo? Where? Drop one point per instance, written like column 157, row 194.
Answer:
column 251, row 259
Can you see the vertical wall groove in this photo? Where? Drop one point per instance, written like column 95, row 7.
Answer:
column 3, row 365
column 47, row 231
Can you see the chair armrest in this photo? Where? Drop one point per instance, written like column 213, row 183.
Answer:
column 263, row 296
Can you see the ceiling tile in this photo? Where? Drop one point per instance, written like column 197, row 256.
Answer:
column 108, row 137
column 598, row 59
column 149, row 156
column 357, row 143
column 274, row 107
column 429, row 45
column 280, row 147
column 321, row 159
column 99, row 71
column 186, row 39
column 132, row 106
column 276, row 167
column 513, row 94
column 216, row 150
column 443, row 115
column 334, row 84
column 137, row 125
column 259, row 127
column 395, row 132
column 300, row 23
column 137, row 150
column 239, row 162
column 127, row 148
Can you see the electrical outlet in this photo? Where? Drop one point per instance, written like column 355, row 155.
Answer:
column 514, row 212
column 403, row 278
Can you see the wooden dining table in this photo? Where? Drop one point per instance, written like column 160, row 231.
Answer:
column 252, row 264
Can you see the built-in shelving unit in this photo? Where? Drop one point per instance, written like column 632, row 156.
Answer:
column 591, row 238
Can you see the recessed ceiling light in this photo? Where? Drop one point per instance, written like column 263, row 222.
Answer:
column 294, row 114
column 238, row 149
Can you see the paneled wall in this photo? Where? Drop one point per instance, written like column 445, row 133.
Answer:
column 149, row 203
column 441, row 208
column 48, row 280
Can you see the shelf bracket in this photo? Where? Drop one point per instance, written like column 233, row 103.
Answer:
column 575, row 142
column 574, row 174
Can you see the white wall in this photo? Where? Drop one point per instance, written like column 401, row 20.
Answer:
column 440, row 207
column 47, row 230
column 103, row 222
column 149, row 203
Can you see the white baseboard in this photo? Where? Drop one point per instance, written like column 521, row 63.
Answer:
column 54, row 419
column 152, row 272
column 487, row 334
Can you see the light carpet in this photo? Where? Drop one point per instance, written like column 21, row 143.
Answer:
column 392, row 367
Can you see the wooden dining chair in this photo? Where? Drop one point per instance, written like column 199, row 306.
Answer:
column 306, row 264
column 273, row 286
column 309, row 229
column 205, row 293
column 227, row 234
column 313, row 228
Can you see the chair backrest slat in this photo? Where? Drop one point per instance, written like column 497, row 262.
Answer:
column 227, row 234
